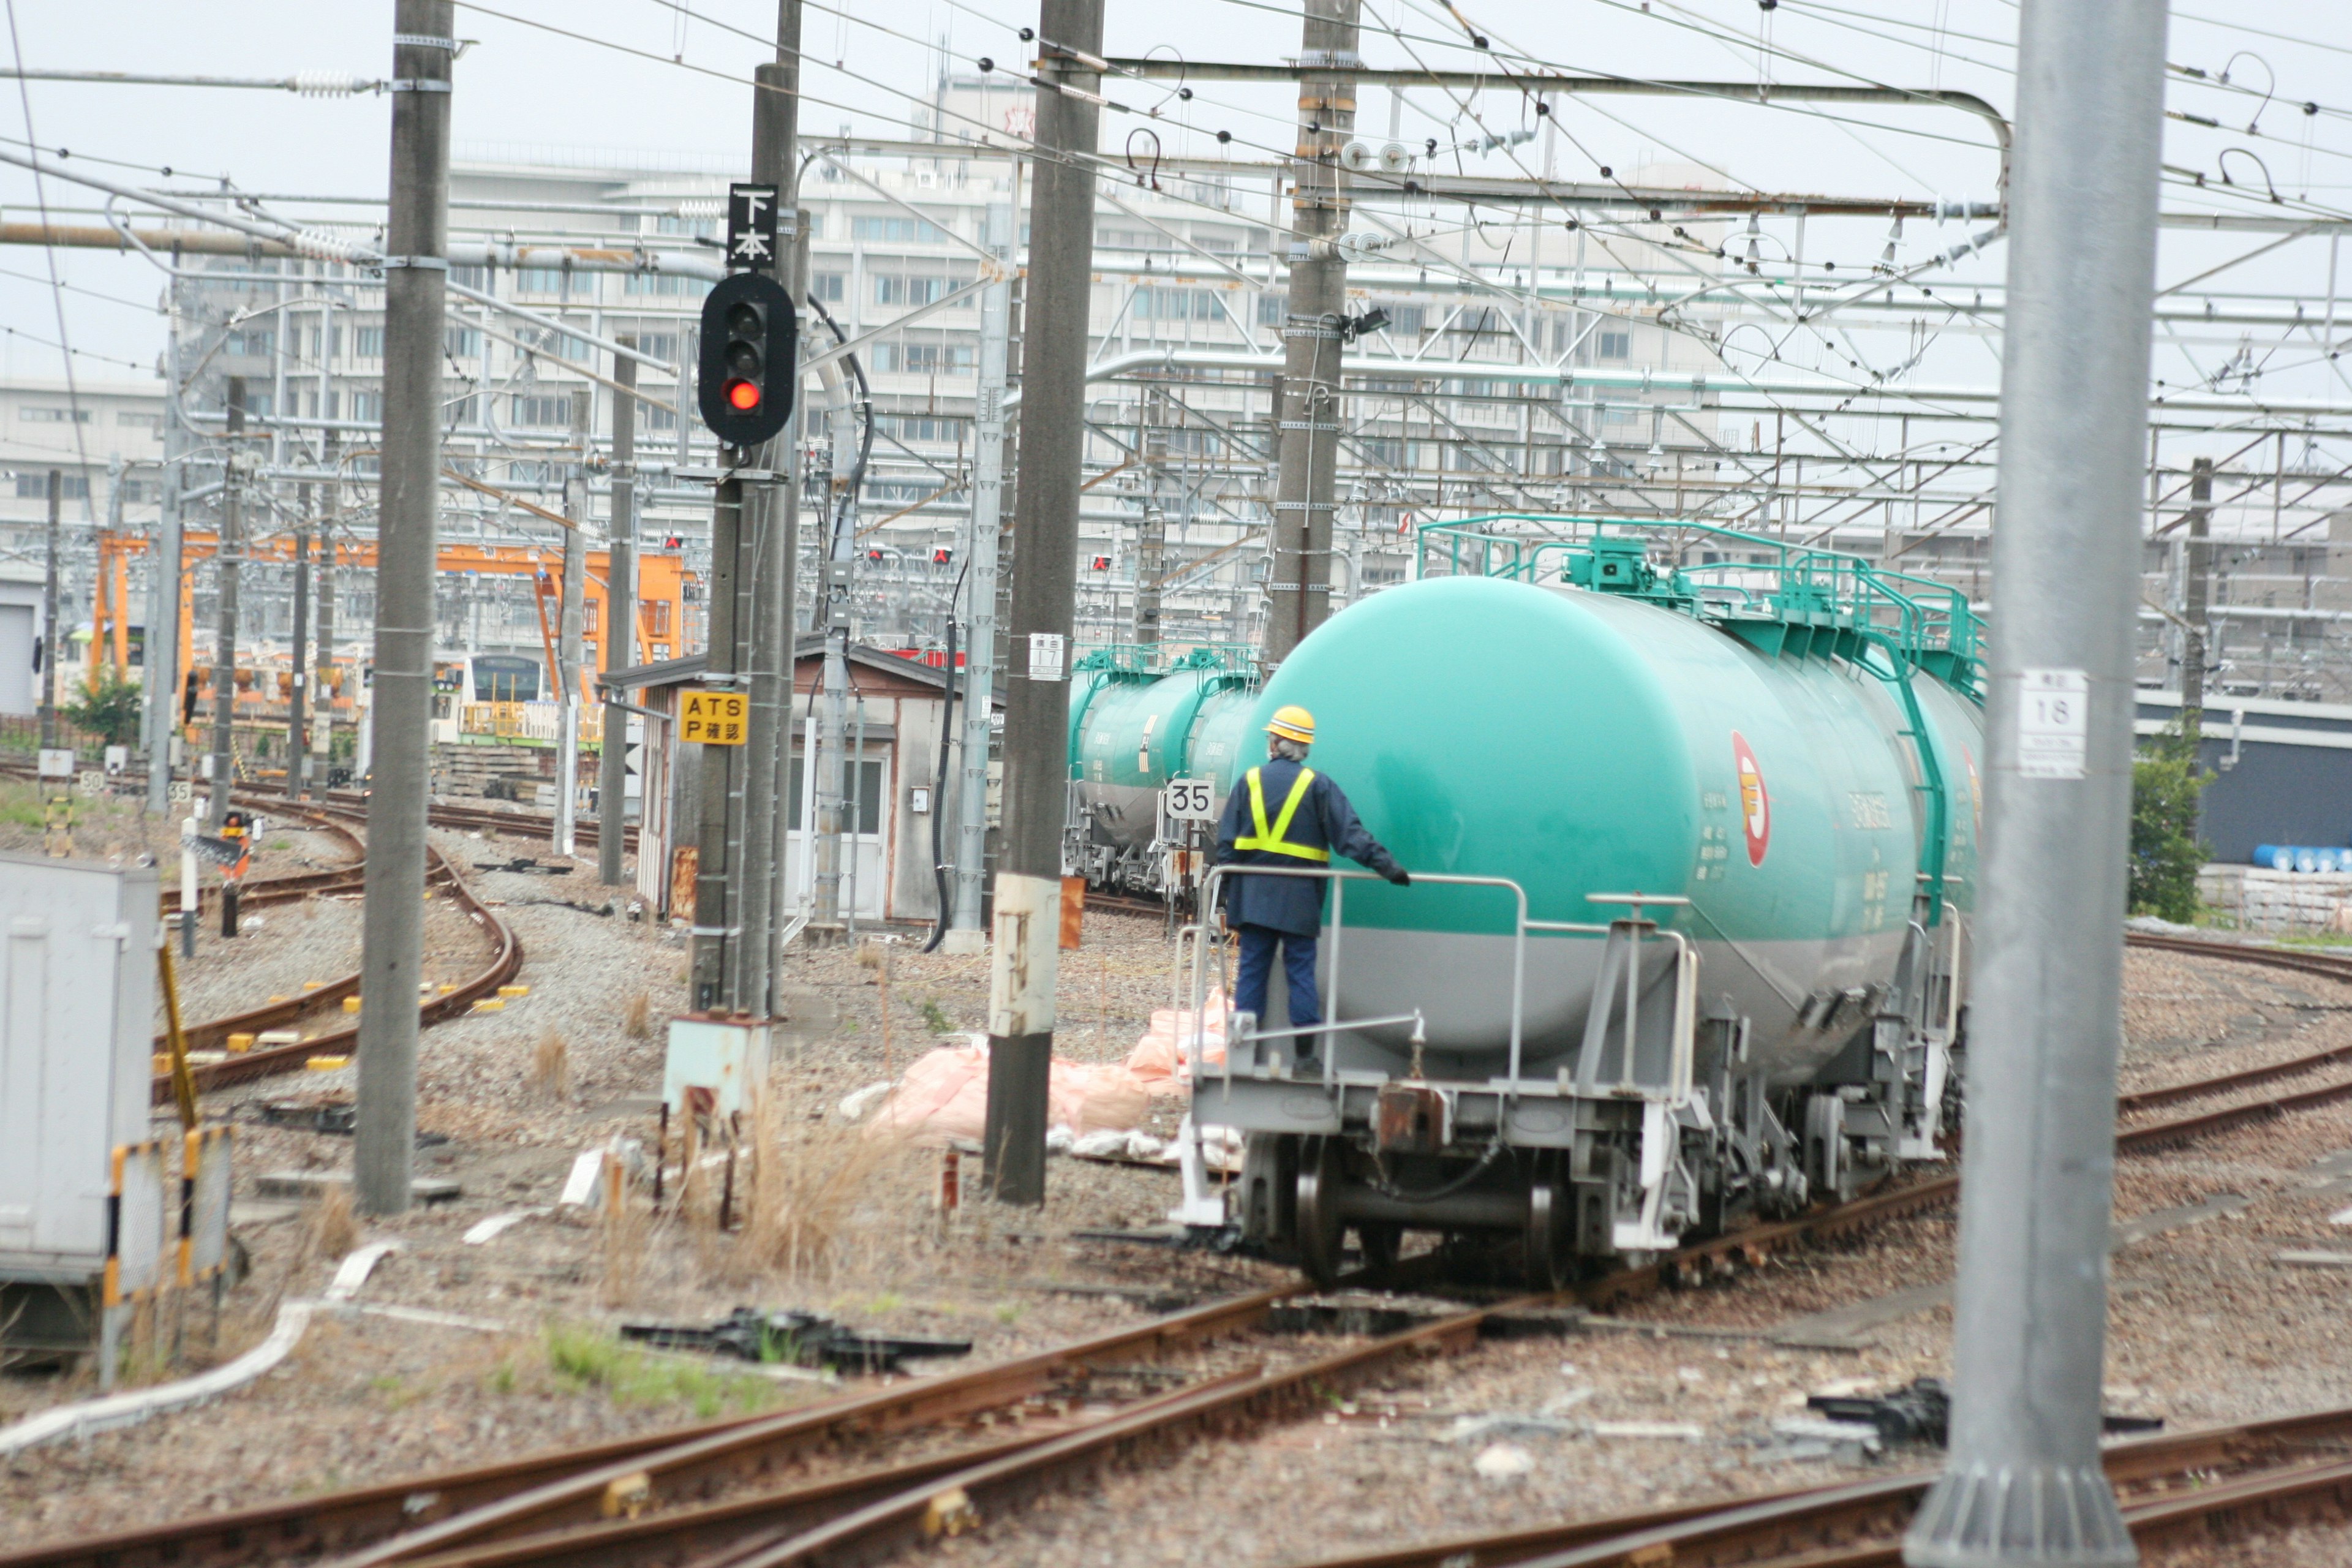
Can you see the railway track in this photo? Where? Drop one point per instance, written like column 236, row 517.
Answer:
column 505, row 963
column 725, row 1495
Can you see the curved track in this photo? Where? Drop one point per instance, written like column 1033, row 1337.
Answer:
column 506, row 961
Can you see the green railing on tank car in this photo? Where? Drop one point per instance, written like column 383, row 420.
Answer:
column 1882, row 610
column 1930, row 622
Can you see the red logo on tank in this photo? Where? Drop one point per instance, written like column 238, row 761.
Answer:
column 1755, row 801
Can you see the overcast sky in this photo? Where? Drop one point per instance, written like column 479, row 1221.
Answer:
column 519, row 86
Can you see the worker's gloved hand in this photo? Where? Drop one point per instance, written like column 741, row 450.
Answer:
column 1396, row 874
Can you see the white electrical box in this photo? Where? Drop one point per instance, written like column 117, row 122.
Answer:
column 77, row 1033
column 728, row 1057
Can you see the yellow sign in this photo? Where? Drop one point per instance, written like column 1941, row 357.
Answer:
column 714, row 717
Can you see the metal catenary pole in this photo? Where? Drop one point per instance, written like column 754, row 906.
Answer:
column 775, row 103
column 49, row 639
column 2196, row 593
column 571, row 629
column 228, row 555
column 2023, row 1482
column 981, row 544
column 416, row 268
column 163, row 569
column 719, row 832
column 620, row 633
column 1045, row 524
column 298, row 730
column 1307, row 405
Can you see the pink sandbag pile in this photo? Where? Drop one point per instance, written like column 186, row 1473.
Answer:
column 943, row 1098
column 1162, row 1058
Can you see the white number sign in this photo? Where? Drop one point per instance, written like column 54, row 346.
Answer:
column 1190, row 800
column 2053, row 724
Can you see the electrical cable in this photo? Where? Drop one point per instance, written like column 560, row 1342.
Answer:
column 57, row 285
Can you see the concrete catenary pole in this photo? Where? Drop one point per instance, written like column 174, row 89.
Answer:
column 298, row 732
column 53, row 536
column 783, row 459
column 2023, row 1482
column 322, row 680
column 571, row 629
column 416, row 268
column 1045, row 523
column 620, row 632
column 2196, row 594
column 980, row 545
column 228, row 556
column 1306, row 401
column 163, row 569
column 775, row 518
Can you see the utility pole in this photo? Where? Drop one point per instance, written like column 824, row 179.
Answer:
column 1045, row 520
column 322, row 680
column 1151, row 532
column 980, row 545
column 716, row 899
column 570, row 631
column 2195, row 594
column 621, row 630
column 416, row 268
column 1306, row 402
column 49, row 639
column 298, row 733
column 228, row 556
column 775, row 514
column 2023, row 1482
column 164, row 572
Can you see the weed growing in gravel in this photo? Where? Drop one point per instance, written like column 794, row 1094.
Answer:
column 821, row 1199
column 330, row 1228
column 551, row 1066
column 583, row 1360
column 935, row 1019
column 637, row 1018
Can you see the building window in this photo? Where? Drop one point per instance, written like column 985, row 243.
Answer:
column 542, row 410
column 367, row 343
column 662, row 345
column 252, row 342
column 458, row 342
column 1613, row 345
column 864, row 788
column 35, row 486
column 589, row 609
column 54, row 415
column 470, row 277
column 1176, row 305
column 898, row 230
column 889, row 288
column 924, row 359
column 655, row 416
column 828, row 287
column 664, row 284
column 656, row 614
column 367, row 407
column 558, row 280
column 1271, row 308
column 136, row 420
column 913, row 427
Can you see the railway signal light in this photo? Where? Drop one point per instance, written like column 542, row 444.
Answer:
column 942, row 556
column 1102, row 563
column 750, row 358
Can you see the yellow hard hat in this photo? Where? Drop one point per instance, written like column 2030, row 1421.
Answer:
column 1293, row 722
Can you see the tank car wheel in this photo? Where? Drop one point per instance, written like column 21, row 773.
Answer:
column 1319, row 1227
column 1552, row 1225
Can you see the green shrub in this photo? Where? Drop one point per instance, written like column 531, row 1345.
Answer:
column 2165, row 853
column 111, row 710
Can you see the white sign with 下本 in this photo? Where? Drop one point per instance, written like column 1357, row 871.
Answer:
column 1190, row 800
column 2053, row 712
column 1045, row 655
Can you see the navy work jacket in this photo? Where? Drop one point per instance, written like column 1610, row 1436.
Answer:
column 1323, row 821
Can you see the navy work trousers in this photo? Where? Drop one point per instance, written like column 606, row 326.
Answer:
column 1258, row 943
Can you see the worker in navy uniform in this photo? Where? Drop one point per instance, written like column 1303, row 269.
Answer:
column 1284, row 813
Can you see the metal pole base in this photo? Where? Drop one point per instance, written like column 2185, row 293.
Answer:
column 1994, row 1516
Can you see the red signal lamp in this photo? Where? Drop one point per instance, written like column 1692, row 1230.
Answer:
column 742, row 396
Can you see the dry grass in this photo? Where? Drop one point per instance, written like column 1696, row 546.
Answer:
column 551, row 1066
column 330, row 1227
column 637, row 1018
column 820, row 1200
column 622, row 1232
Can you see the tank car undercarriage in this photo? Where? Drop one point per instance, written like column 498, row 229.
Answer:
column 1660, row 1126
